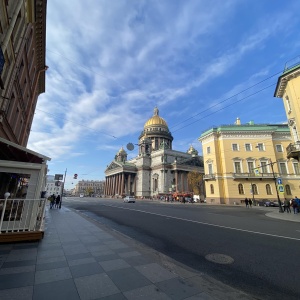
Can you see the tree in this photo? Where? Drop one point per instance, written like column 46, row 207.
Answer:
column 195, row 180
column 89, row 191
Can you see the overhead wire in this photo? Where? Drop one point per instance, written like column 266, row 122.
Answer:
column 187, row 119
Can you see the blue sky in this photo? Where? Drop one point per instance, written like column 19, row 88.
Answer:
column 111, row 62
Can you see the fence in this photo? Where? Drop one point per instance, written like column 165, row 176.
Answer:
column 22, row 215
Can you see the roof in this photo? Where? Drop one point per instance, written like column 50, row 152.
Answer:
column 248, row 128
column 156, row 120
column 14, row 152
column 288, row 74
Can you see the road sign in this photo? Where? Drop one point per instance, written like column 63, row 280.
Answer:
column 58, row 177
column 279, row 180
column 280, row 188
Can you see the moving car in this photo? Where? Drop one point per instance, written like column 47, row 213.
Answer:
column 129, row 199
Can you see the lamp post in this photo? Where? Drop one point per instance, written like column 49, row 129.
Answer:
column 62, row 190
column 278, row 199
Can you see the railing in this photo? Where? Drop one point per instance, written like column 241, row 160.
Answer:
column 253, row 175
column 209, row 176
column 22, row 215
column 292, row 63
column 293, row 147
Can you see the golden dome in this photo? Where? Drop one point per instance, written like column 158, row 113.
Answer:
column 156, row 120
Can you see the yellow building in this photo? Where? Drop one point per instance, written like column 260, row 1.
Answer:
column 288, row 88
column 239, row 159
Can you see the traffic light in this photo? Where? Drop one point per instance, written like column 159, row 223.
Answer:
column 75, row 176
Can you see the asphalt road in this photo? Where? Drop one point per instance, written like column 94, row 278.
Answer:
column 259, row 255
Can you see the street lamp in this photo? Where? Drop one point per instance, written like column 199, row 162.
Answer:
column 276, row 187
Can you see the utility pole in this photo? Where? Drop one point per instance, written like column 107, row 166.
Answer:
column 62, row 189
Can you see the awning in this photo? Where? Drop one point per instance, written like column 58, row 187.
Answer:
column 14, row 152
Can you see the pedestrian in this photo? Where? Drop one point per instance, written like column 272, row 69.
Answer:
column 52, row 201
column 298, row 203
column 57, row 201
column 295, row 205
column 286, row 206
column 246, row 202
column 250, row 202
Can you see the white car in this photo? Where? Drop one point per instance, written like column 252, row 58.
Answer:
column 129, row 199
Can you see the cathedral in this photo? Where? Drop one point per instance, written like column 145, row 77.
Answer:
column 157, row 169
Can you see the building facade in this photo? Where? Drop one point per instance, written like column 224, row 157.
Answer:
column 23, row 40
column 244, row 161
column 288, row 88
column 157, row 170
column 89, row 188
column 22, row 79
column 53, row 186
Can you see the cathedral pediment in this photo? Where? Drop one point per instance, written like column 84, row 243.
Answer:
column 113, row 166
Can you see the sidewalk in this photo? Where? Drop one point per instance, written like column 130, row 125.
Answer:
column 284, row 216
column 81, row 259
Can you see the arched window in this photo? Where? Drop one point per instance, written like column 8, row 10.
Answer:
column 241, row 189
column 212, row 191
column 268, row 189
column 288, row 190
column 254, row 189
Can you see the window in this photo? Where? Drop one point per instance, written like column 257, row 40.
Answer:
column 212, row 191
column 254, row 189
column 248, row 147
column 210, row 169
column 295, row 133
column 283, row 169
column 250, row 166
column 296, row 168
column 241, row 189
column 288, row 104
column 279, row 148
column 268, row 189
column 237, row 167
column 208, row 150
column 288, row 190
column 264, row 167
column 260, row 147
column 235, row 147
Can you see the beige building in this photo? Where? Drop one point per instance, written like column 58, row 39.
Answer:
column 245, row 161
column 288, row 88
column 157, row 169
column 89, row 187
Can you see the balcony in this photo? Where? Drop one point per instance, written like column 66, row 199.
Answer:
column 253, row 176
column 209, row 177
column 293, row 151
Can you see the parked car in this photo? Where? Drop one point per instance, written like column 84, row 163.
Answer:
column 271, row 204
column 129, row 199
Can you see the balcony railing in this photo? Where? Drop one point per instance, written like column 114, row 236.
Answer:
column 293, row 150
column 21, row 215
column 253, row 175
column 209, row 177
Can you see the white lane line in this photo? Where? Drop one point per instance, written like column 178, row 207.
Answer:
column 208, row 224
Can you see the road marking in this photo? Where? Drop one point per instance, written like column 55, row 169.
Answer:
column 208, row 224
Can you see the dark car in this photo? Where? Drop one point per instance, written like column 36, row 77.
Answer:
column 271, row 204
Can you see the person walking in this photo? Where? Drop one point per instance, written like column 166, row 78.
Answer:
column 247, row 202
column 52, row 201
column 250, row 202
column 287, row 205
column 57, row 201
column 295, row 205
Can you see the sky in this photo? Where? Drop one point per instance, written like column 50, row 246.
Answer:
column 203, row 63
